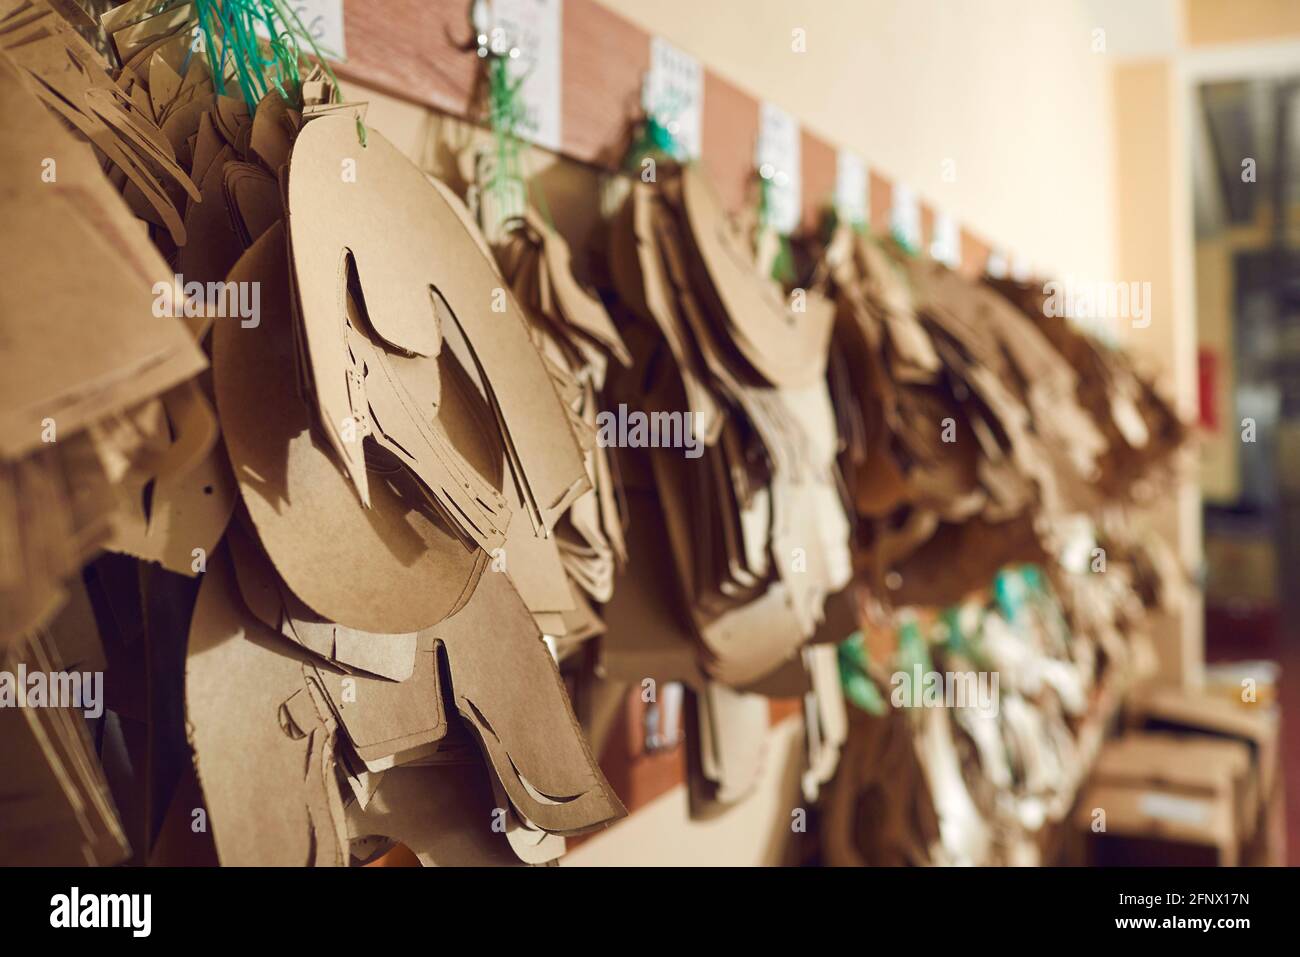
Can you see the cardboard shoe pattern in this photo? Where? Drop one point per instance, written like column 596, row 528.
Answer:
column 972, row 436
column 577, row 338
column 366, row 569
column 756, row 524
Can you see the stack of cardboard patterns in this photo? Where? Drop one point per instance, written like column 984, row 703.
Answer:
column 1110, row 582
column 350, row 517
column 174, row 495
column 1140, row 428
column 94, row 378
column 980, row 432
column 732, row 476
column 58, row 809
column 425, row 441
column 1002, row 763
column 965, row 440
column 1022, row 760
column 577, row 338
column 1004, row 773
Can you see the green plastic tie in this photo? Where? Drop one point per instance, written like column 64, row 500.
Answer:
column 904, row 243
column 506, row 111
column 783, row 263
column 854, row 661
column 229, row 29
column 654, row 137
column 913, row 651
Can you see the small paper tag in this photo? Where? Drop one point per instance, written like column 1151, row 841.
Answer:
column 1171, row 807
column 779, row 164
column 322, row 20
column 946, row 244
column 905, row 216
column 851, row 188
column 533, row 27
column 997, row 264
column 674, row 95
column 1077, row 550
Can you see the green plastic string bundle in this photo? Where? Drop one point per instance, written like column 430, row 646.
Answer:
column 855, row 678
column 783, row 264
column 832, row 219
column 1041, row 600
column 860, row 226
column 1010, row 592
column 913, row 651
column 958, row 641
column 904, row 243
column 506, row 114
column 655, row 140
column 229, row 29
column 654, row 137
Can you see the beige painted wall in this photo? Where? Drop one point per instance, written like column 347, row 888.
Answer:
column 754, row 833
column 1154, row 217
column 1008, row 89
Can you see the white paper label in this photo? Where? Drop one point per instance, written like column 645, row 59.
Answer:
column 1080, row 540
column 905, row 216
column 322, row 20
column 851, row 188
column 946, row 244
column 533, row 26
column 779, row 163
column 1170, row 807
column 997, row 264
column 674, row 95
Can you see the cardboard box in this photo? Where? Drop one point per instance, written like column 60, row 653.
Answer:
column 1268, row 847
column 1264, row 841
column 1153, row 824
column 1158, row 798
column 1184, row 764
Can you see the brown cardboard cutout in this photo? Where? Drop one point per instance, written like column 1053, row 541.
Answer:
column 785, row 347
column 388, row 722
column 250, row 767
column 72, row 81
column 508, row 690
column 192, row 492
column 391, row 568
column 100, row 367
column 417, row 266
